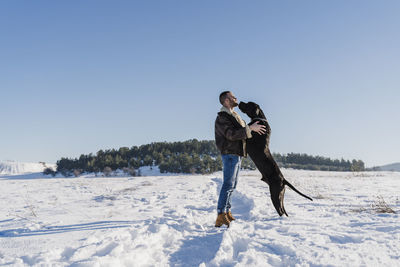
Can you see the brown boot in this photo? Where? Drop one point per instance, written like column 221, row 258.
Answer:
column 230, row 216
column 222, row 219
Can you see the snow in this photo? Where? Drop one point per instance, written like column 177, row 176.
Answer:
column 19, row 168
column 169, row 221
column 153, row 171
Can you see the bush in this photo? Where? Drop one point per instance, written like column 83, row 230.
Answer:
column 107, row 171
column 380, row 206
column 129, row 171
column 49, row 171
column 77, row 172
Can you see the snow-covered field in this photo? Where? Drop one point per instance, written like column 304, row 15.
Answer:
column 169, row 221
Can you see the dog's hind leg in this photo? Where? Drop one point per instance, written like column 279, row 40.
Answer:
column 277, row 197
column 277, row 192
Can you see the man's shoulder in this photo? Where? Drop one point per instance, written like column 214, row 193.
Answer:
column 223, row 116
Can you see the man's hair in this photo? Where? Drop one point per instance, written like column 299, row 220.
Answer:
column 223, row 96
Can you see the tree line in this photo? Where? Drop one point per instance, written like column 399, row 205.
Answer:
column 190, row 156
column 308, row 162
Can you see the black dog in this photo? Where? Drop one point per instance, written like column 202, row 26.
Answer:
column 258, row 150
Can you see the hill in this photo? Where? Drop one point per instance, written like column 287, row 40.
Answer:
column 391, row 167
column 18, row 168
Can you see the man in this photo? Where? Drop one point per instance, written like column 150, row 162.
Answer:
column 231, row 133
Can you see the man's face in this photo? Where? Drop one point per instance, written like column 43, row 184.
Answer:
column 231, row 100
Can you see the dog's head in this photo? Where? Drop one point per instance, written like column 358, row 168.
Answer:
column 251, row 109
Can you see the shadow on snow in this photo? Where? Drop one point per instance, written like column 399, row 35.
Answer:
column 197, row 249
column 21, row 232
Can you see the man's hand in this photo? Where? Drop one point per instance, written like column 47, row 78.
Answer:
column 260, row 129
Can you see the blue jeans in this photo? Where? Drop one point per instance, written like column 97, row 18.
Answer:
column 231, row 165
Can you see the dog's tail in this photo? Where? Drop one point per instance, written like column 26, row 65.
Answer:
column 297, row 191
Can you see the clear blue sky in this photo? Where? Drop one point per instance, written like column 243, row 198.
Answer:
column 79, row 76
